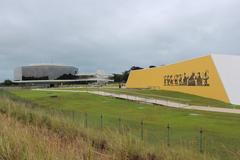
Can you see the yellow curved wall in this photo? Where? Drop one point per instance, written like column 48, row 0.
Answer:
column 154, row 78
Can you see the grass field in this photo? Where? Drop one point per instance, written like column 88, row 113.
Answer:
column 31, row 132
column 166, row 95
column 221, row 131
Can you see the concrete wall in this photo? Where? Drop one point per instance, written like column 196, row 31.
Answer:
column 228, row 69
column 18, row 74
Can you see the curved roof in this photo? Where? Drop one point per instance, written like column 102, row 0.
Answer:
column 37, row 65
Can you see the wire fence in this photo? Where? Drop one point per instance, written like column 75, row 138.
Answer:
column 154, row 134
column 170, row 134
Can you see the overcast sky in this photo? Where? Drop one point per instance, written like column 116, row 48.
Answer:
column 114, row 35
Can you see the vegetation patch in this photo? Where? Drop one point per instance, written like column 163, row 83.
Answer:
column 97, row 144
column 123, row 119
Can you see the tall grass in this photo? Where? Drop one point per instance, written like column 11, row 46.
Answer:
column 35, row 133
column 21, row 142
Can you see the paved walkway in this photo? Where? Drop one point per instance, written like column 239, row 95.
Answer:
column 151, row 101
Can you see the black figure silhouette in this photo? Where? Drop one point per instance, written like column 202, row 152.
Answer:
column 205, row 78
column 199, row 79
column 165, row 80
column 176, row 80
column 185, row 79
column 180, row 80
column 196, row 79
column 191, row 80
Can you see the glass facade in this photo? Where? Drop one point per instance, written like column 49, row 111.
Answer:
column 44, row 72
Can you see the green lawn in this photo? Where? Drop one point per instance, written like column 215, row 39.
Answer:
column 221, row 131
column 167, row 95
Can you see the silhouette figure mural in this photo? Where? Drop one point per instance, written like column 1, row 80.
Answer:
column 184, row 79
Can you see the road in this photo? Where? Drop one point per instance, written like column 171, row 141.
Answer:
column 151, row 101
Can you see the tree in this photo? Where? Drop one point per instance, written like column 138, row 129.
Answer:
column 123, row 77
column 7, row 83
column 152, row 66
column 117, row 78
column 67, row 76
column 136, row 68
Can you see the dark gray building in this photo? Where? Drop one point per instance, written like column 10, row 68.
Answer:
column 45, row 72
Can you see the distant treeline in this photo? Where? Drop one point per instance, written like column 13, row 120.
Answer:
column 123, row 77
column 6, row 83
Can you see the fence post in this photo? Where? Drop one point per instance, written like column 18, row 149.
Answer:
column 101, row 122
column 142, row 130
column 73, row 116
column 201, row 141
column 89, row 154
column 62, row 114
column 119, row 124
column 168, row 135
column 86, row 120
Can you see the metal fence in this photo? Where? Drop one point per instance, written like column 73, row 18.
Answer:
column 164, row 134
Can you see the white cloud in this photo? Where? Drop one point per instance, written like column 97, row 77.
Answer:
column 114, row 35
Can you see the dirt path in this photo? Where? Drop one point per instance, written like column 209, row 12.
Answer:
column 152, row 101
